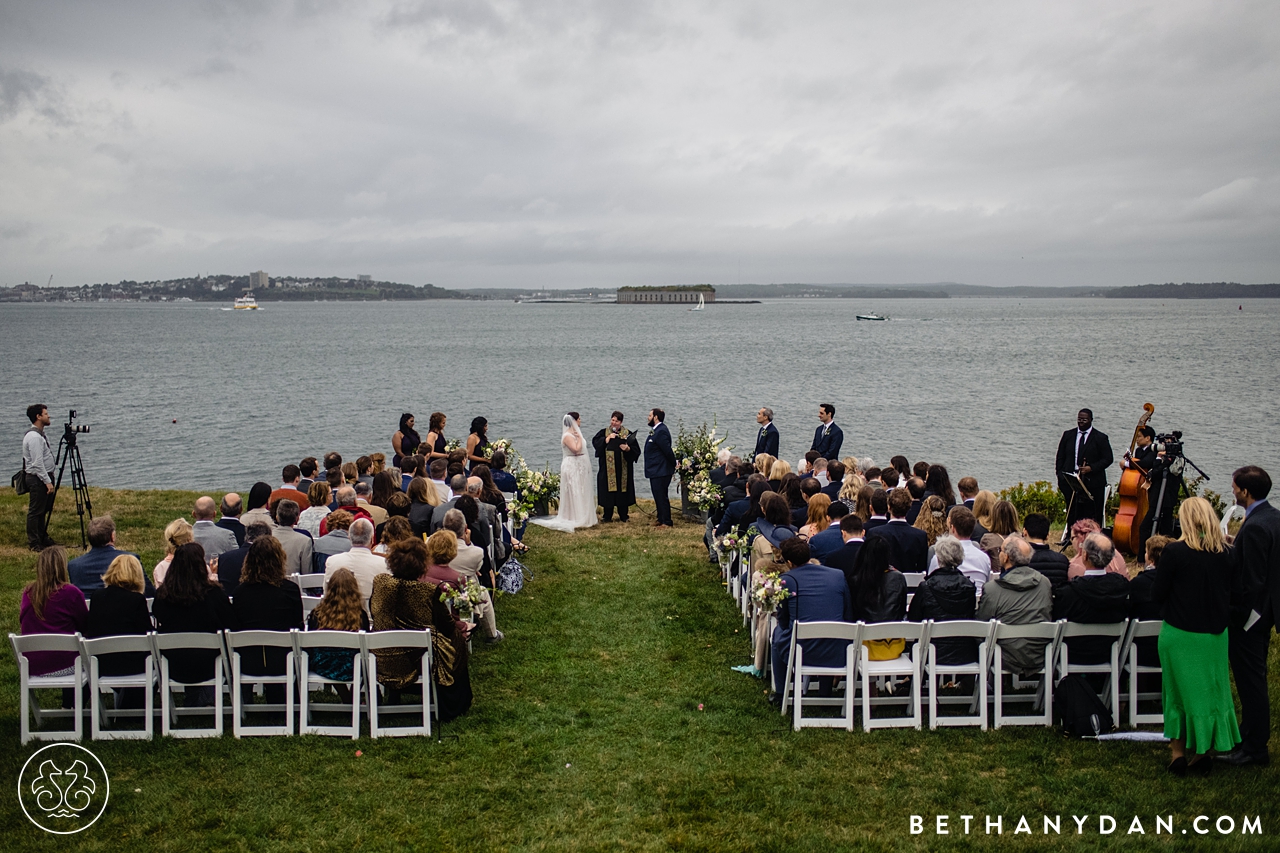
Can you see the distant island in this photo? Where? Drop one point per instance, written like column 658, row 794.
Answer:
column 224, row 288
column 1190, row 290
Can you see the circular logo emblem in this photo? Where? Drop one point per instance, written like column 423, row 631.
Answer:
column 63, row 788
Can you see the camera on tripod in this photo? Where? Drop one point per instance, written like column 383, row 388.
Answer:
column 1170, row 444
column 71, row 427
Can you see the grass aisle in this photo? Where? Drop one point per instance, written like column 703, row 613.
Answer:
column 586, row 735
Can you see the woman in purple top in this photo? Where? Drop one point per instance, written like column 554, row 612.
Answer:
column 51, row 605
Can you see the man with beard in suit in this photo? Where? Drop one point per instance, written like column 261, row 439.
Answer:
column 1086, row 452
column 828, row 437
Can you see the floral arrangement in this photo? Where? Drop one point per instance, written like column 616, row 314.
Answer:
column 464, row 600
column 453, row 444
column 703, row 493
column 768, row 592
column 503, row 444
column 695, row 457
column 532, row 487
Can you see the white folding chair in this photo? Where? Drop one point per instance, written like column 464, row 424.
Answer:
column 1049, row 632
column 1148, row 629
column 309, row 581
column 309, row 603
column 798, row 672
column 400, row 641
column 169, row 713
column 1111, row 669
column 99, row 684
column 906, row 664
column 307, row 642
column 252, row 641
column 24, row 645
column 1235, row 511
column 913, row 579
column 959, row 629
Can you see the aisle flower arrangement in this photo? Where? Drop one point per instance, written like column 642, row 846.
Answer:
column 695, row 457
column 532, row 488
column 464, row 600
column 767, row 591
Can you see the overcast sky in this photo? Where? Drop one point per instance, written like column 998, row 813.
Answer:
column 470, row 143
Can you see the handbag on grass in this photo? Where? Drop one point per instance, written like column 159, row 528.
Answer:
column 511, row 576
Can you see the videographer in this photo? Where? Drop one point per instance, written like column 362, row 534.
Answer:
column 38, row 463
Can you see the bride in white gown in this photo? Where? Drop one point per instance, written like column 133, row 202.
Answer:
column 577, row 483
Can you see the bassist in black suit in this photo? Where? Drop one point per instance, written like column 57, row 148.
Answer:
column 1087, row 452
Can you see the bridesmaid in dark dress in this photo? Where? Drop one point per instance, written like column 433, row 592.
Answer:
column 435, row 442
column 406, row 440
column 477, row 442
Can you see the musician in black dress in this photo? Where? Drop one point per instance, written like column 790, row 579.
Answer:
column 1087, row 452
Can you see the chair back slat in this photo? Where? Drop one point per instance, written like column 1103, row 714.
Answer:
column 398, row 639
column 26, row 643
column 188, row 640
column 120, row 643
column 826, row 630
column 893, row 630
column 271, row 639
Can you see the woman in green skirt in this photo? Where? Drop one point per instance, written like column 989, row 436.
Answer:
column 1193, row 583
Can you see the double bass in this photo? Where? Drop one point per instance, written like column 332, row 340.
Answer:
column 1126, row 532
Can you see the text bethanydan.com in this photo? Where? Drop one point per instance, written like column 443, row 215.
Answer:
column 967, row 824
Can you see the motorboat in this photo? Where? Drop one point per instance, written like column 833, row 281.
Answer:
column 246, row 303
column 871, row 316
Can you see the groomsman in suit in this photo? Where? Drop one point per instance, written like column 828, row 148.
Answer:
column 1087, row 452
column 660, row 464
column 1255, row 609
column 767, row 437
column 828, row 437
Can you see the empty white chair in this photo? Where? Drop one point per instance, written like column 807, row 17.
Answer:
column 100, row 684
column 1043, row 698
column 906, row 664
column 1141, row 630
column 240, row 643
column 1116, row 631
column 913, row 579
column 169, row 712
column 959, row 629
column 407, row 641
column 22, row 646
column 798, row 672
column 307, row 643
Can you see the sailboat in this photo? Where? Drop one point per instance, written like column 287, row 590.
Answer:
column 702, row 303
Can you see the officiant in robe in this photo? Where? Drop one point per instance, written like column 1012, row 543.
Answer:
column 617, row 449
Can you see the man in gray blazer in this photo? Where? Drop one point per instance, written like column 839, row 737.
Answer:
column 298, row 547
column 214, row 539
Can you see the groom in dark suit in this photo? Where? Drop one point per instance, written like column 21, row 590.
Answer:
column 1086, row 452
column 659, row 464
column 767, row 437
column 828, row 437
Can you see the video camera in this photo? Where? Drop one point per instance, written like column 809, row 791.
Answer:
column 1170, row 444
column 71, row 427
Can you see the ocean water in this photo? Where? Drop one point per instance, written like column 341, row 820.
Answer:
column 191, row 396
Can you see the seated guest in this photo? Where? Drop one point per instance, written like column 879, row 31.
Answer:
column 120, row 609
column 468, row 563
column 397, row 507
column 489, row 494
column 1098, row 597
column 176, row 534
column 212, row 538
column 318, row 496
column 774, row 525
column 335, row 481
column 231, row 563
column 187, row 602
column 938, row 482
column 889, row 477
column 266, row 602
column 290, row 489
column 789, row 488
column 877, row 593
column 230, row 520
column 86, row 571
column 423, row 499
column 851, row 535
column 862, row 504
column 1004, row 519
column 403, row 600
column 722, row 475
column 816, row 520
column 439, row 470
column 378, row 463
column 259, row 506
column 1044, row 559
column 873, row 477
column 481, row 536
column 991, row 545
column 1142, row 604
column 818, row 594
column 332, row 461
column 879, row 510
column 818, row 471
column 396, row 529
column 932, row 519
column 851, row 489
column 903, row 467
column 835, row 479
column 976, row 565
column 1019, row 595
column 307, row 468
column 908, row 547
column 51, row 604
column 915, row 488
column 502, row 478
column 409, row 468
column 359, row 559
column 763, row 464
column 298, row 547
column 779, row 469
column 341, row 609
column 921, row 470
column 336, row 540
column 346, row 501
column 982, row 505
column 740, row 514
column 968, row 489
column 947, row 594
column 1077, row 567
column 457, row 488
column 363, row 472
column 824, row 542
column 364, row 501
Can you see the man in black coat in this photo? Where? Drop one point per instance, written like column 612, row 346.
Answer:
column 846, row 555
column 835, row 475
column 230, row 520
column 1045, row 560
column 767, row 437
column 1087, row 452
column 828, row 437
column 1098, row 598
column 1255, row 608
column 908, row 546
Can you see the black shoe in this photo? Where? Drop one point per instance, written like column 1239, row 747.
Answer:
column 1178, row 767
column 1239, row 758
column 1202, row 766
column 776, row 701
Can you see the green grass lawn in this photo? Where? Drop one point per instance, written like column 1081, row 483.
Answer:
column 586, row 734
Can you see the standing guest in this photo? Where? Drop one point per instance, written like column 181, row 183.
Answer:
column 877, row 593
column 435, row 444
column 190, row 602
column 852, row 539
column 818, row 594
column 1086, row 452
column 403, row 601
column 1193, row 581
column 1142, row 603
column 1044, row 559
column 176, row 534
column 230, row 520
column 298, row 547
column 259, row 507
column 828, row 437
column 816, row 519
column 290, row 489
column 968, row 489
column 120, row 609
column 976, row 565
column 86, row 571
column 478, row 442
column 340, row 610
column 659, row 465
column 265, row 602
column 502, row 478
column 405, row 440
column 1019, row 595
column 939, row 483
column 231, row 563
column 1077, row 567
column 915, row 488
column 38, row 462
column 318, row 496
column 908, row 547
column 932, row 519
column 1004, row 519
column 835, row 476
column 946, row 594
column 213, row 539
column 823, row 542
column 423, row 499
column 307, row 467
column 767, row 435
column 51, row 604
column 359, row 559
column 1099, row 596
column 336, row 539
column 618, row 451
column 1255, row 602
